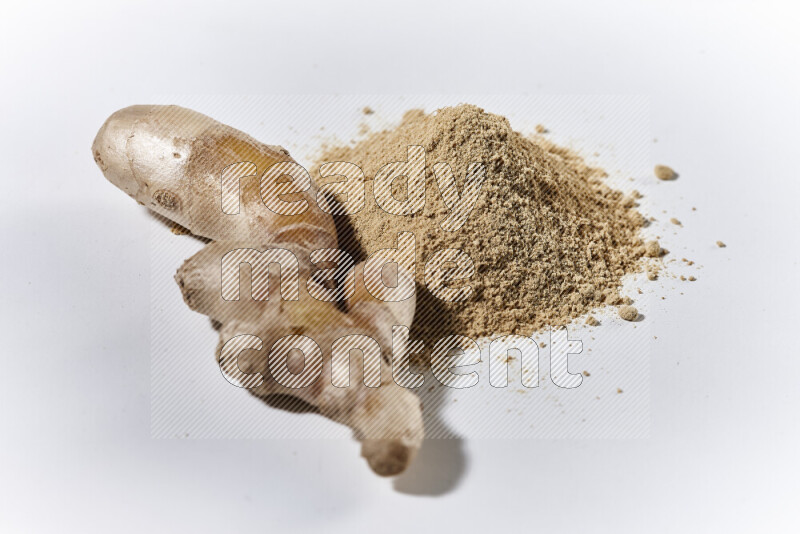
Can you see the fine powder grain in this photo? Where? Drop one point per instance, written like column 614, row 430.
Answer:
column 549, row 240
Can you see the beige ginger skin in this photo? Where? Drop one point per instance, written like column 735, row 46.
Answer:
column 171, row 160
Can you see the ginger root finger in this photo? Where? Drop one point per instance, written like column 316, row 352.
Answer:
column 387, row 419
column 364, row 305
column 171, row 159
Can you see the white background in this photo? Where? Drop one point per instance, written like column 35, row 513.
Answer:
column 75, row 447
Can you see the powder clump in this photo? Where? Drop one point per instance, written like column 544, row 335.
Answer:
column 549, row 240
column 628, row 313
column 663, row 172
column 652, row 249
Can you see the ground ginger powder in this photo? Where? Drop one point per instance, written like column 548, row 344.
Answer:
column 549, row 241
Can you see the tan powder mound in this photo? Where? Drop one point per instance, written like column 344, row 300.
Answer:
column 549, row 240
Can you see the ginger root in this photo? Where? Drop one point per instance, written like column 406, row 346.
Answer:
column 173, row 161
